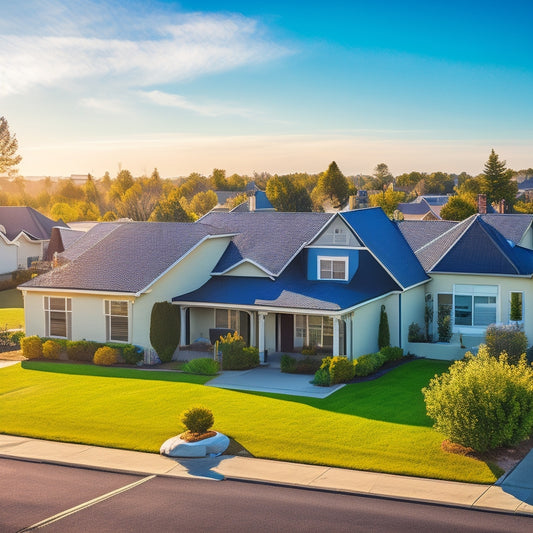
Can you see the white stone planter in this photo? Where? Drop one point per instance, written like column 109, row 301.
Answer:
column 177, row 447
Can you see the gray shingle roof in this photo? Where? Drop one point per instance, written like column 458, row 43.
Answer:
column 128, row 258
column 18, row 218
column 418, row 233
column 268, row 238
column 511, row 226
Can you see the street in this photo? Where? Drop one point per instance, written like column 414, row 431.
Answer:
column 67, row 499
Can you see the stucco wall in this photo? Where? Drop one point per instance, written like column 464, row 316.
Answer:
column 8, row 257
column 247, row 270
column 28, row 248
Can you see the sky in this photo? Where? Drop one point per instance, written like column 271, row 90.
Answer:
column 277, row 86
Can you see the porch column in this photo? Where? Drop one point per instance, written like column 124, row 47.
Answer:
column 348, row 333
column 183, row 326
column 261, row 346
column 336, row 339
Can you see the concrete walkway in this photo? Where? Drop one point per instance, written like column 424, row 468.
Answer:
column 512, row 494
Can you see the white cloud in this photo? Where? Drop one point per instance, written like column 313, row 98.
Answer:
column 209, row 110
column 187, row 46
column 106, row 106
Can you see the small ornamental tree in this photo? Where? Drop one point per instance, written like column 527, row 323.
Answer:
column 482, row 402
column 198, row 420
column 165, row 329
column 509, row 339
column 383, row 332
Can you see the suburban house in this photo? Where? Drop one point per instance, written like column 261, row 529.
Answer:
column 24, row 237
column 424, row 207
column 282, row 280
column 477, row 268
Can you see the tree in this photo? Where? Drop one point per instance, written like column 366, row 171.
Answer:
column 203, row 202
column 8, row 149
column 218, row 179
column 284, row 195
column 496, row 181
column 333, row 185
column 458, row 208
column 410, row 180
column 382, row 176
column 169, row 209
column 388, row 200
column 383, row 330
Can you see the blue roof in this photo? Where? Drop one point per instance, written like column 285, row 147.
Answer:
column 526, row 185
column 414, row 208
column 267, row 238
column 385, row 240
column 481, row 249
column 293, row 290
column 261, row 200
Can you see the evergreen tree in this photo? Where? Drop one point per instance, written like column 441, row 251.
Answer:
column 383, row 332
column 8, row 149
column 496, row 181
column 333, row 185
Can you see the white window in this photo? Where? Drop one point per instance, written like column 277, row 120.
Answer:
column 333, row 268
column 475, row 305
column 58, row 317
column 516, row 307
column 316, row 331
column 116, row 320
column 227, row 318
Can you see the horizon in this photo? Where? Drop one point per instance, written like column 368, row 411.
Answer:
column 98, row 85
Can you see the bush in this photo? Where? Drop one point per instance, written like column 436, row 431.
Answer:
column 16, row 337
column 308, row 365
column 392, row 353
column 509, row 339
column 322, row 378
column 308, row 350
column 236, row 355
column 341, row 370
column 198, row 419
column 369, row 363
column 205, row 366
column 415, row 333
column 106, row 356
column 32, row 347
column 5, row 337
column 383, row 332
column 51, row 350
column 81, row 350
column 165, row 329
column 444, row 324
column 482, row 402
column 288, row 364
column 132, row 354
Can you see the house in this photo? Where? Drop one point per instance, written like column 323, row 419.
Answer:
column 477, row 267
column 25, row 231
column 283, row 280
column 424, row 207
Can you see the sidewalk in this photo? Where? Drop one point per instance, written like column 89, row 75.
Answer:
column 511, row 494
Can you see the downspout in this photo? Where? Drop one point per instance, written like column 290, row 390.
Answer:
column 400, row 318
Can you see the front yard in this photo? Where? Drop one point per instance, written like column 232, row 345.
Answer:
column 377, row 425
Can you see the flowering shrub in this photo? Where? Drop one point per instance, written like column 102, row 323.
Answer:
column 106, row 356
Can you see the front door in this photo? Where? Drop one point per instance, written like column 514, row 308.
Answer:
column 287, row 333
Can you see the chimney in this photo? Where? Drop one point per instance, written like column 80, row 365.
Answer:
column 252, row 203
column 501, row 206
column 482, row 204
column 352, row 202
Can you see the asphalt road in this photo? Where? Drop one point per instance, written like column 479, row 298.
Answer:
column 66, row 499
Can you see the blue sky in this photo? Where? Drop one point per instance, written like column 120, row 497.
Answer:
column 94, row 85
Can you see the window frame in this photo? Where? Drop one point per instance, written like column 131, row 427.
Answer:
column 472, row 292
column 232, row 316
column 522, row 299
column 67, row 311
column 332, row 259
column 109, row 320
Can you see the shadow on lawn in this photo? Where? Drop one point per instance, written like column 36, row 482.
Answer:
column 81, row 369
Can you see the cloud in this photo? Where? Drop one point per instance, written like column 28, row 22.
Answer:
column 186, row 46
column 209, row 110
column 106, row 106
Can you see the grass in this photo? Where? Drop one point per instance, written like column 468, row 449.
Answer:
column 11, row 309
column 11, row 298
column 379, row 425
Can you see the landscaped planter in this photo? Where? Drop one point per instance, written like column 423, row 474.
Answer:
column 177, row 447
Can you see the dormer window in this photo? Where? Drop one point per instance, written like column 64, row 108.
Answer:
column 333, row 268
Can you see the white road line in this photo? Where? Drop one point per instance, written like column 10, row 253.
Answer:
column 82, row 506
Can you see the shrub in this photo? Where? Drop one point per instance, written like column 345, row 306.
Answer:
column 106, row 356
column 509, row 339
column 81, row 350
column 132, row 354
column 308, row 350
column 341, row 370
column 415, row 333
column 236, row 355
column 32, row 347
column 444, row 324
column 16, row 337
column 322, row 378
column 482, row 402
column 288, row 364
column 308, row 365
column 198, row 419
column 369, row 363
column 51, row 349
column 205, row 366
column 165, row 329
column 5, row 337
column 383, row 332
column 392, row 353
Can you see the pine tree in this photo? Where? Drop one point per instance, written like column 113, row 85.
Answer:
column 334, row 185
column 496, row 181
column 383, row 332
column 8, row 149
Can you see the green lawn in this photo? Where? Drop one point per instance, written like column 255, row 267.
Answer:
column 11, row 309
column 11, row 298
column 379, row 425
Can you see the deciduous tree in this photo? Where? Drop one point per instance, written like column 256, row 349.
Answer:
column 333, row 185
column 458, row 208
column 284, row 195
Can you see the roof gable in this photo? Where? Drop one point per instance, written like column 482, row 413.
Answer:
column 17, row 219
column 383, row 238
column 418, row 233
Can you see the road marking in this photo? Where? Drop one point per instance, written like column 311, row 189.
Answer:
column 72, row 510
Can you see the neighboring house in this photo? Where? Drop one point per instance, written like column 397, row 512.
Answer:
column 476, row 267
column 29, row 231
column 283, row 280
column 257, row 201
column 424, row 207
